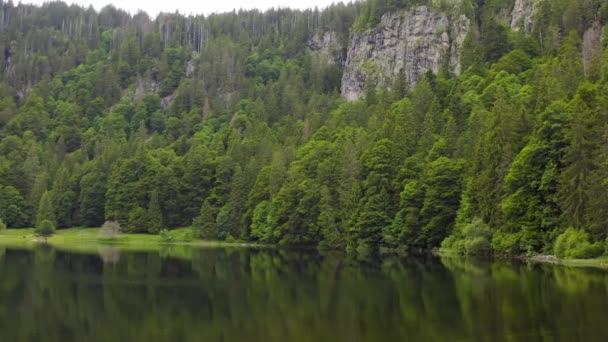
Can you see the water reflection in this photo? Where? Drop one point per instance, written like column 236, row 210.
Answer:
column 184, row 294
column 109, row 254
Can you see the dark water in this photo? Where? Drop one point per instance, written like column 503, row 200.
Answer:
column 253, row 295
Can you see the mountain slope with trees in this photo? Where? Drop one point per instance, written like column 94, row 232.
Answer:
column 229, row 124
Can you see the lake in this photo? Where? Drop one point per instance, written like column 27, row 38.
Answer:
column 218, row 294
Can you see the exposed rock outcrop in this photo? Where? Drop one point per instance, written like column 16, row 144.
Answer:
column 592, row 46
column 327, row 48
column 414, row 42
column 523, row 15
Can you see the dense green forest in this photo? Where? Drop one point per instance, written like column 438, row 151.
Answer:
column 227, row 123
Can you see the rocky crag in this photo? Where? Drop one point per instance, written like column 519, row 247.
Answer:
column 406, row 44
column 411, row 43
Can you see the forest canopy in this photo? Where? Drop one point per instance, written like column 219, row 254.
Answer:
column 227, row 123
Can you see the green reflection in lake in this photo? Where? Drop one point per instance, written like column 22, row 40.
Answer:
column 268, row 295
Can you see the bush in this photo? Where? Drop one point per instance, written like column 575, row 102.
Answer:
column 449, row 242
column 230, row 239
column 474, row 239
column 109, row 231
column 588, row 251
column 166, row 236
column 574, row 244
column 2, row 225
column 478, row 246
column 515, row 62
column 45, row 229
column 188, row 236
column 507, row 243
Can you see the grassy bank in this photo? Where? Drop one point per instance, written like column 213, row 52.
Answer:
column 87, row 238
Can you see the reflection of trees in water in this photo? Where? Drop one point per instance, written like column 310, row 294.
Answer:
column 519, row 301
column 109, row 254
column 279, row 295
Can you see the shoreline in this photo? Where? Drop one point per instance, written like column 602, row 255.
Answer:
column 86, row 239
column 598, row 263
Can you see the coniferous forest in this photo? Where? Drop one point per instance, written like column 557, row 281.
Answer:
column 229, row 124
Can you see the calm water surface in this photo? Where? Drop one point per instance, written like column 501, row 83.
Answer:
column 183, row 294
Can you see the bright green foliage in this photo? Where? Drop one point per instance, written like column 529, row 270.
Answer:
column 474, row 239
column 574, row 244
column 166, row 236
column 45, row 229
column 14, row 210
column 46, row 210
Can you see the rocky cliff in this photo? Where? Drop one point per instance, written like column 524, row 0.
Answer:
column 418, row 40
column 327, row 48
column 523, row 15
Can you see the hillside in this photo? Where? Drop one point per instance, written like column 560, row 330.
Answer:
column 479, row 124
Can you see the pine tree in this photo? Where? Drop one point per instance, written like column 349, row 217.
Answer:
column 154, row 214
column 204, row 225
column 376, row 206
column 46, row 210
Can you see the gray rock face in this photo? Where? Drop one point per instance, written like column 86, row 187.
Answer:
column 326, row 47
column 416, row 41
column 523, row 15
column 592, row 45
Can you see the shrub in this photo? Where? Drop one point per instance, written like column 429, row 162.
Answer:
column 588, row 251
column 45, row 229
column 109, row 231
column 478, row 246
column 474, row 239
column 2, row 225
column 449, row 242
column 515, row 62
column 507, row 243
column 166, row 236
column 574, row 244
column 230, row 238
column 188, row 236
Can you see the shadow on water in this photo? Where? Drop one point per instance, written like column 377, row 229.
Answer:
column 230, row 294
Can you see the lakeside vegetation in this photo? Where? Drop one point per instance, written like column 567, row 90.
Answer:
column 89, row 239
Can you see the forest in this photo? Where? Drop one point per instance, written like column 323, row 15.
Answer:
column 226, row 123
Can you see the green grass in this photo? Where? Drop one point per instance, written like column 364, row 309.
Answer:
column 86, row 240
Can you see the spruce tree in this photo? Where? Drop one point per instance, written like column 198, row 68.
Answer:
column 154, row 214
column 46, row 210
